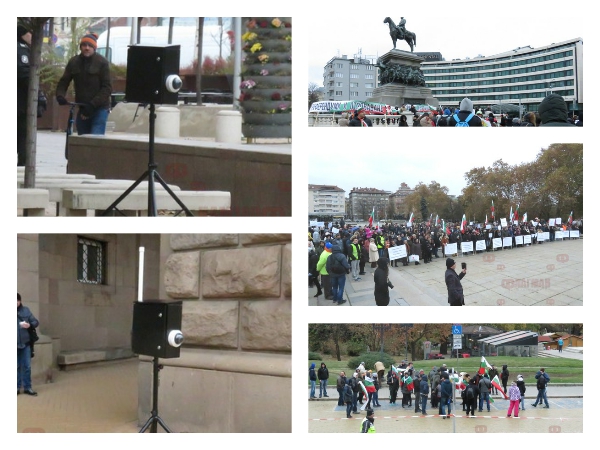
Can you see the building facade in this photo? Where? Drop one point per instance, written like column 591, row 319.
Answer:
column 523, row 76
column 236, row 296
column 326, row 200
column 363, row 201
column 349, row 79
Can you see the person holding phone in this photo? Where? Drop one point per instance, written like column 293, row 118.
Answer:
column 455, row 289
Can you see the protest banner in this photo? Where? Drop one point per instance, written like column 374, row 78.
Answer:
column 466, row 246
column 551, row 222
column 574, row 234
column 397, row 252
column 480, row 245
column 518, row 240
column 507, row 242
column 559, row 235
column 335, row 230
column 451, row 249
column 497, row 243
column 503, row 222
column 527, row 239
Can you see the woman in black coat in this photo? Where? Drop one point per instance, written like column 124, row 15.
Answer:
column 382, row 293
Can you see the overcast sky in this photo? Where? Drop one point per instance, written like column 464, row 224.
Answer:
column 414, row 155
column 456, row 30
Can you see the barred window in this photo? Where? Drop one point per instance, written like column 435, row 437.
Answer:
column 91, row 261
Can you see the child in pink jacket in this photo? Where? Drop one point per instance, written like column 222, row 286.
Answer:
column 514, row 394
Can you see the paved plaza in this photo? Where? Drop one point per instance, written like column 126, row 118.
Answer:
column 564, row 416
column 548, row 274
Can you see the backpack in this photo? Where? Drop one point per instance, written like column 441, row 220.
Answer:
column 470, row 394
column 541, row 383
column 347, row 394
column 464, row 123
column 336, row 266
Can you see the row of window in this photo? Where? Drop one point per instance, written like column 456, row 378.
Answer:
column 544, row 76
column 355, row 75
column 496, row 73
column 513, row 61
column 521, row 87
column 501, row 97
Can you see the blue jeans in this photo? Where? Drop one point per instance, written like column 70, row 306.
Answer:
column 443, row 404
column 341, row 398
column 354, row 401
column 337, row 287
column 484, row 396
column 348, row 409
column 92, row 125
column 376, row 398
column 523, row 402
column 423, row 404
column 313, row 386
column 541, row 397
column 322, row 388
column 24, row 367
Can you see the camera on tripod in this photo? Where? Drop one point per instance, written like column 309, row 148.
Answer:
column 157, row 328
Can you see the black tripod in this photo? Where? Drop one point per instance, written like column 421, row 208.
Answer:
column 154, row 418
column 152, row 174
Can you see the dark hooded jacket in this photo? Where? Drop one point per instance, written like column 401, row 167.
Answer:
column 553, row 112
column 24, row 315
column 382, row 293
column 337, row 255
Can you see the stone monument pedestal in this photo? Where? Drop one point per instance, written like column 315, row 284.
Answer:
column 397, row 94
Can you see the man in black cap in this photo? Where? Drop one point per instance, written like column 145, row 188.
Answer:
column 90, row 73
column 360, row 119
column 455, row 290
column 367, row 424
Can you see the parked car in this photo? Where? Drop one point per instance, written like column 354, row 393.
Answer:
column 435, row 356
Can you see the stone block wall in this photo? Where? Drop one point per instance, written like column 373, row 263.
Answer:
column 236, row 293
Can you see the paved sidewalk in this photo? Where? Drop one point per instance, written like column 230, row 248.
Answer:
column 95, row 399
column 548, row 274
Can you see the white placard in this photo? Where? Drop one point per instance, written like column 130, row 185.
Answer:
column 515, row 222
column 451, row 249
column 574, row 234
column 488, row 227
column 534, row 223
column 518, row 240
column 507, row 242
column 503, row 222
column 541, row 237
column 558, row 221
column 558, row 234
column 313, row 223
column 499, row 228
column 480, row 245
column 466, row 246
column 397, row 252
column 335, row 230
column 497, row 242
column 551, row 222
column 547, row 235
column 321, row 224
column 490, row 235
column 527, row 239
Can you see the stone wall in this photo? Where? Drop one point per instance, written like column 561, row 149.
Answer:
column 236, row 357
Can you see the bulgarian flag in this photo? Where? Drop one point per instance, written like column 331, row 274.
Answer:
column 570, row 220
column 364, row 389
column 409, row 224
column 458, row 381
column 463, row 224
column 525, row 217
column 484, row 366
column 511, row 214
column 369, row 385
column 517, row 213
column 408, row 381
column 437, row 220
column 371, row 217
column 430, row 217
column 486, row 221
column 493, row 216
column 497, row 385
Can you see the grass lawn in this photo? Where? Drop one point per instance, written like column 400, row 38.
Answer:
column 561, row 370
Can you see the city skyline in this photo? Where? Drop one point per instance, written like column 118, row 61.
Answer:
column 456, row 33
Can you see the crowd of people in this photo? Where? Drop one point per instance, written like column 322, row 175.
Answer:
column 420, row 390
column 552, row 111
column 356, row 248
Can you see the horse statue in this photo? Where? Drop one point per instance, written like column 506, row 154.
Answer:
column 409, row 36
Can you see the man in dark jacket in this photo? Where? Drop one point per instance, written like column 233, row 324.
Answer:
column 446, row 397
column 341, row 382
column 323, row 375
column 424, row 392
column 466, row 116
column 553, row 112
column 337, row 267
column 485, row 385
column 91, row 74
column 360, row 119
column 25, row 321
column 471, row 393
column 455, row 290
column 542, row 381
column 23, row 57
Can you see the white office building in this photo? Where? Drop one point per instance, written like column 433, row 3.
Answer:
column 326, row 200
column 349, row 79
column 522, row 76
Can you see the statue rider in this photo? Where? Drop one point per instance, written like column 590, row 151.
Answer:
column 401, row 28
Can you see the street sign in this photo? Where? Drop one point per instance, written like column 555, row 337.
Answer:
column 456, row 329
column 457, row 342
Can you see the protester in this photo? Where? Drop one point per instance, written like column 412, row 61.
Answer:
column 360, row 119
column 340, row 384
column 455, row 290
column 514, row 394
column 553, row 112
column 367, row 424
column 382, row 283
column 542, row 382
column 312, row 377
column 522, row 389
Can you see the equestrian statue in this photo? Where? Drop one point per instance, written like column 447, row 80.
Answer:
column 399, row 32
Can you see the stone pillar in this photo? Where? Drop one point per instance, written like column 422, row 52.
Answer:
column 236, row 358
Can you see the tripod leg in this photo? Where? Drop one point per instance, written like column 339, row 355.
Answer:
column 163, row 424
column 172, row 194
column 125, row 194
column 150, row 420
